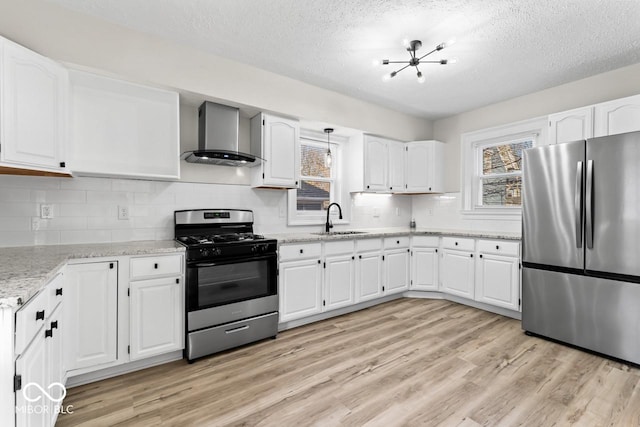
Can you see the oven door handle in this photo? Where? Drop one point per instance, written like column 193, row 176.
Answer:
column 232, row 261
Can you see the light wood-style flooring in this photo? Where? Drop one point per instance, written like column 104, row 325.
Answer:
column 406, row 362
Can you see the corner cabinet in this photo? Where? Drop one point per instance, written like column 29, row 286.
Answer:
column 275, row 140
column 571, row 125
column 424, row 165
column 123, row 129
column 617, row 116
column 33, row 111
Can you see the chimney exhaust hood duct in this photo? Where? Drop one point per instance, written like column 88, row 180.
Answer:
column 218, row 138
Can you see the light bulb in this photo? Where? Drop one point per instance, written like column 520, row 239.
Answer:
column 386, row 77
column 406, row 43
column 328, row 159
column 452, row 61
column 421, row 78
column 450, row 42
column 375, row 62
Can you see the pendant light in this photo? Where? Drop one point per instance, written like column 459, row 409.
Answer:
column 328, row 159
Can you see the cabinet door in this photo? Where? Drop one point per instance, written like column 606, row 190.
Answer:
column 396, row 166
column 418, row 165
column 572, row 125
column 457, row 273
column 55, row 354
column 396, row 266
column 33, row 110
column 375, row 164
column 369, row 276
column 424, row 269
column 618, row 116
column 32, row 367
column 90, row 314
column 123, row 129
column 281, row 152
column 300, row 289
column 156, row 317
column 338, row 282
column 498, row 281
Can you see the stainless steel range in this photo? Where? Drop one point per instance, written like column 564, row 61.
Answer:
column 231, row 277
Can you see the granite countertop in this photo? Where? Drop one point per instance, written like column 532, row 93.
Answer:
column 391, row 232
column 25, row 270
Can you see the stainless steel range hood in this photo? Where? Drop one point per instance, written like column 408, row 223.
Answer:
column 218, row 138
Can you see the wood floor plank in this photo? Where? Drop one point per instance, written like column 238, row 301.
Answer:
column 408, row 362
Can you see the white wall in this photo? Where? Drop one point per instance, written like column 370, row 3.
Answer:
column 602, row 87
column 71, row 37
column 85, row 209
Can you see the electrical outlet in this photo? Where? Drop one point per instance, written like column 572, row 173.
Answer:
column 46, row 211
column 123, row 212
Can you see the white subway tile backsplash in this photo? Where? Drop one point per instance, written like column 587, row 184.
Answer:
column 59, row 223
column 58, row 196
column 29, row 182
column 15, row 224
column 85, row 236
column 105, row 223
column 117, row 197
column 14, row 195
column 132, row 185
column 86, row 183
column 20, row 209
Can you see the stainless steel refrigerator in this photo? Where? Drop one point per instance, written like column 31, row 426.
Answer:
column 581, row 244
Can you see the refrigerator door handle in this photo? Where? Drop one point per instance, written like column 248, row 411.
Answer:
column 589, row 205
column 578, row 204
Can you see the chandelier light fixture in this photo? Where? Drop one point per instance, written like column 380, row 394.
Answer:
column 328, row 160
column 412, row 47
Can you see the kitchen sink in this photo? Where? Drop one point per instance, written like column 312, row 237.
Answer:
column 339, row 233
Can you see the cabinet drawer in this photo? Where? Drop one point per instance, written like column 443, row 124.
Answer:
column 300, row 251
column 341, row 247
column 499, row 247
column 425, row 241
column 364, row 245
column 396, row 242
column 460, row 244
column 156, row 266
column 32, row 316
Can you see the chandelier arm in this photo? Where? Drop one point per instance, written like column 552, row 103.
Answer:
column 397, row 71
column 427, row 54
column 431, row 62
column 399, row 62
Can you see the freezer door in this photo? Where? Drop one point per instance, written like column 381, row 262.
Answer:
column 552, row 212
column 613, row 204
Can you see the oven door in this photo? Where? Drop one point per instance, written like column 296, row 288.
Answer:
column 228, row 281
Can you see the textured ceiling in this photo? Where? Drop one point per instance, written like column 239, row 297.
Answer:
column 505, row 48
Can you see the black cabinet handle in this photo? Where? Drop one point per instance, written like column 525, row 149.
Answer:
column 471, row 255
column 398, row 241
column 63, row 164
column 360, row 256
column 48, row 333
column 155, row 266
column 408, row 250
column 429, row 188
column 390, row 188
column 318, row 261
column 436, row 251
column 497, row 247
column 383, row 288
column 480, row 255
column 296, row 182
column 54, row 324
column 59, row 291
column 353, row 257
column 40, row 315
column 456, row 243
column 301, row 251
column 367, row 186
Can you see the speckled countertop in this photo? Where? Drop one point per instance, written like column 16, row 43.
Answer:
column 391, row 232
column 25, row 270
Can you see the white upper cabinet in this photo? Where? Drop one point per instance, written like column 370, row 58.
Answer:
column 123, row 129
column 275, row 140
column 617, row 116
column 396, row 166
column 572, row 125
column 376, row 163
column 424, row 167
column 33, row 110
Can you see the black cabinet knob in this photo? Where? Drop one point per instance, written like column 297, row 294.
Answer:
column 353, row 257
column 456, row 243
column 429, row 188
column 59, row 291
column 471, row 255
column 480, row 255
column 48, row 333
column 155, row 266
column 301, row 251
column 497, row 247
column 63, row 164
column 40, row 315
column 54, row 324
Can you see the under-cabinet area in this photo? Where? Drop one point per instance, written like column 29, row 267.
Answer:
column 323, row 278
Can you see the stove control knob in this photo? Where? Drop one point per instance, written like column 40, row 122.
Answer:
column 204, row 252
column 217, row 251
column 264, row 248
column 255, row 248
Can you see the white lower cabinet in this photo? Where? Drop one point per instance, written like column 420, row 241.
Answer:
column 91, row 314
column 32, row 368
column 368, row 275
column 498, row 274
column 424, row 263
column 457, row 273
column 396, row 271
column 300, row 288
column 338, row 281
column 156, row 317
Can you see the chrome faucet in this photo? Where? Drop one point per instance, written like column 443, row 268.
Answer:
column 328, row 224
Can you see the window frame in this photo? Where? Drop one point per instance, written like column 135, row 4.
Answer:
column 472, row 145
column 301, row 217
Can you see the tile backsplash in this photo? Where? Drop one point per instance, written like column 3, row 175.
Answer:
column 85, row 210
